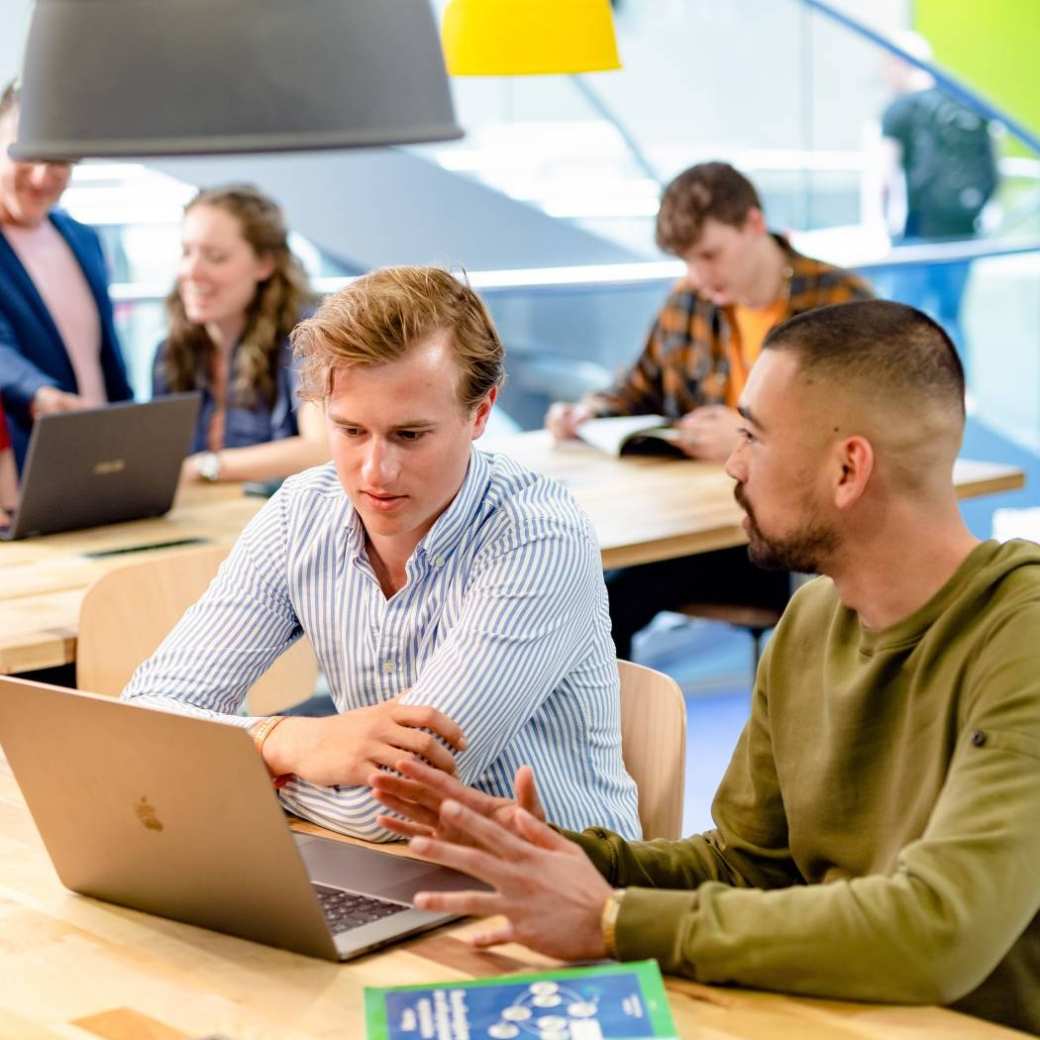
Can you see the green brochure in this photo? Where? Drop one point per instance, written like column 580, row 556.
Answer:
column 601, row 1002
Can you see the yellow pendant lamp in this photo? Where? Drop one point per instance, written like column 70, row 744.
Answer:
column 528, row 37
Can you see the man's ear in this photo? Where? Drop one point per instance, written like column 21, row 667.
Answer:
column 755, row 221
column 854, row 464
column 482, row 413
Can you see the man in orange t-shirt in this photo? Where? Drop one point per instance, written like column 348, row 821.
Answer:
column 741, row 280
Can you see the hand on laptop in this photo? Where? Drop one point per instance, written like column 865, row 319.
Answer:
column 419, row 793
column 345, row 748
column 49, row 399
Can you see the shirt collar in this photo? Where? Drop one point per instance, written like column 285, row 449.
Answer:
column 354, row 527
column 460, row 515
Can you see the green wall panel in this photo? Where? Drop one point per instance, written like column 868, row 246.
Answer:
column 992, row 45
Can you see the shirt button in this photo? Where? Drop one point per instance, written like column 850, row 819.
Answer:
column 388, row 666
column 438, row 561
column 978, row 738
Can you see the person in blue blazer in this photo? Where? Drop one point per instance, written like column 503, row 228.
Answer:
column 58, row 345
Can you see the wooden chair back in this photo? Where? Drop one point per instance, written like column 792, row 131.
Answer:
column 127, row 613
column 653, row 745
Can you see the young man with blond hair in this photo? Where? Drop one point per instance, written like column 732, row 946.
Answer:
column 741, row 280
column 455, row 601
column 876, row 830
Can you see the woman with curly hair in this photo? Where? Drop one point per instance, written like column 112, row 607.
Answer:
column 238, row 294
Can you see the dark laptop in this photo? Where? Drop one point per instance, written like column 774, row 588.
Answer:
column 103, row 465
column 176, row 816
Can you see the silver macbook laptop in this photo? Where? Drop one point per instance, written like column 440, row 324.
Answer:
column 177, row 816
column 103, row 465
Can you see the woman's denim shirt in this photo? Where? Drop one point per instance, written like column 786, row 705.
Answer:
column 243, row 426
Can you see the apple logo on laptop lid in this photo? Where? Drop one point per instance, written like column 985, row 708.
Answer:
column 146, row 814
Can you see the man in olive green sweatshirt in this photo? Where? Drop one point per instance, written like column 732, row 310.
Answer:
column 878, row 828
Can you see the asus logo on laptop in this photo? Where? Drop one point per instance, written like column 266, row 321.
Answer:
column 104, row 469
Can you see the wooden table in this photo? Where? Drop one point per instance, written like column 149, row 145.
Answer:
column 647, row 508
column 43, row 580
column 643, row 509
column 72, row 967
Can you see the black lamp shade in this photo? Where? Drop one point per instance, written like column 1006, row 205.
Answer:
column 130, row 78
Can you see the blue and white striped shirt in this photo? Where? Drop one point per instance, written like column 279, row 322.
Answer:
column 502, row 625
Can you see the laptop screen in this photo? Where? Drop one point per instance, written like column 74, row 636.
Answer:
column 104, row 465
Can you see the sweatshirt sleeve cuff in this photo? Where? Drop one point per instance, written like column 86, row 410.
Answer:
column 598, row 845
column 651, row 924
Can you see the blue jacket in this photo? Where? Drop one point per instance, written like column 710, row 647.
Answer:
column 32, row 353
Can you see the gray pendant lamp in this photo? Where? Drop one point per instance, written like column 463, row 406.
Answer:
column 127, row 78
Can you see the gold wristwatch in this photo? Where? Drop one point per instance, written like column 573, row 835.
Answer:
column 608, row 920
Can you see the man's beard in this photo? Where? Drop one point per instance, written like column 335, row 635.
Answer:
column 805, row 551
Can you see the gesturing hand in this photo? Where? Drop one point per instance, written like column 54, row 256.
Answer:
column 344, row 749
column 419, row 794
column 548, row 890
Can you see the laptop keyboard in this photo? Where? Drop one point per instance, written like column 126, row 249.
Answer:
column 346, row 910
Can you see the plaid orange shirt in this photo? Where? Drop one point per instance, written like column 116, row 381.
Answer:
column 685, row 363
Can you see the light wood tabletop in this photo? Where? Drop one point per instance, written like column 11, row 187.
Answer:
column 643, row 509
column 43, row 580
column 74, row 968
column 647, row 508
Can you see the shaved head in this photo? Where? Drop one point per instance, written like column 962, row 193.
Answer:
column 887, row 372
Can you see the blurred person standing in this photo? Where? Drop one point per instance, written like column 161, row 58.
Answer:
column 58, row 345
column 934, row 169
column 741, row 281
column 239, row 293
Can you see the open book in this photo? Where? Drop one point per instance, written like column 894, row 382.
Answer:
column 632, row 435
